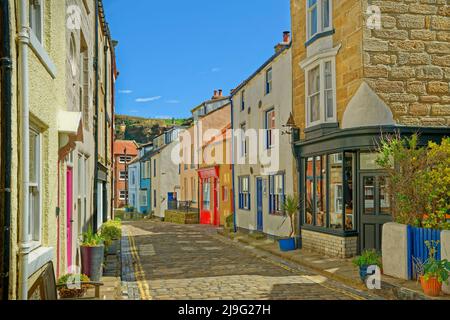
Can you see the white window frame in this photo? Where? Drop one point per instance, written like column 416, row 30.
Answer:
column 40, row 35
column 339, row 198
column 35, row 233
column 269, row 131
column 124, row 176
column 243, row 140
column 122, row 195
column 320, row 27
column 323, row 117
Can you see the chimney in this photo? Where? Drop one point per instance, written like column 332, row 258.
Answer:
column 286, row 42
column 220, row 93
column 215, row 95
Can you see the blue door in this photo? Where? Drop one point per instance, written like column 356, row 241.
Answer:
column 259, row 204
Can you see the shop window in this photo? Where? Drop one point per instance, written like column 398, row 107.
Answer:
column 321, row 192
column 336, row 194
column 276, row 193
column 349, row 191
column 309, row 186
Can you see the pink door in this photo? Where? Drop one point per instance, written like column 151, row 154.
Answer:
column 69, row 216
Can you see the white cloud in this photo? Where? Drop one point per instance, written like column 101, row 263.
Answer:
column 126, row 91
column 150, row 99
column 216, row 69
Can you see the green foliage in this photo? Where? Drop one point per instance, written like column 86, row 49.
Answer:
column 230, row 221
column 291, row 207
column 368, row 258
column 420, row 180
column 71, row 278
column 433, row 268
column 110, row 231
column 91, row 239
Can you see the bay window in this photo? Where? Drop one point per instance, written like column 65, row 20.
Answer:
column 318, row 17
column 244, row 193
column 276, row 193
column 320, row 88
column 35, row 186
column 329, row 191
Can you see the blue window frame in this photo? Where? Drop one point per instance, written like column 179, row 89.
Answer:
column 244, row 193
column 276, row 193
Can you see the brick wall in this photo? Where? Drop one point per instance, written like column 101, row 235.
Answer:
column 329, row 245
column 407, row 62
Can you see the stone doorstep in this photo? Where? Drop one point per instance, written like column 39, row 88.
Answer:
column 346, row 273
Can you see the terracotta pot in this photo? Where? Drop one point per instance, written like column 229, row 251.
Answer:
column 431, row 287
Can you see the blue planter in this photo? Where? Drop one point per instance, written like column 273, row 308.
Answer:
column 363, row 273
column 287, row 244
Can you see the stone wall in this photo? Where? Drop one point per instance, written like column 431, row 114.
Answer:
column 407, row 62
column 181, row 217
column 330, row 245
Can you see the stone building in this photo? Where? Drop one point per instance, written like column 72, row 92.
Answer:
column 354, row 80
column 124, row 153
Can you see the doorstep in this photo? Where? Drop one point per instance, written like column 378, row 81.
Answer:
column 341, row 270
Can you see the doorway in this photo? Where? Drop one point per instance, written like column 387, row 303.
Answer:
column 375, row 208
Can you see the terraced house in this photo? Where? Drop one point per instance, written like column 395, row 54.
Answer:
column 48, row 138
column 353, row 81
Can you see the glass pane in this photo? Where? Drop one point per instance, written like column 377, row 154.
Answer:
column 328, row 75
column 311, row 3
column 369, row 195
column 385, row 201
column 326, row 14
column 349, row 191
column 314, row 93
column 336, row 199
column 321, row 192
column 309, row 211
column 313, row 21
column 329, row 100
column 34, row 161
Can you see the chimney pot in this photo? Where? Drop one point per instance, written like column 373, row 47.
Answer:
column 220, row 92
column 287, row 37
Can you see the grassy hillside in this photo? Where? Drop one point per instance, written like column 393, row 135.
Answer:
column 142, row 130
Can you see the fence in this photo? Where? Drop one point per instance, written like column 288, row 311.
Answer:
column 418, row 252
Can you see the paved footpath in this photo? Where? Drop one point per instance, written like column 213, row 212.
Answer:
column 163, row 261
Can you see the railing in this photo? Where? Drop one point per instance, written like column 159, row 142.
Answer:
column 182, row 206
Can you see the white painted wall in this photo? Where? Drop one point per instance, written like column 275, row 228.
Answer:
column 281, row 100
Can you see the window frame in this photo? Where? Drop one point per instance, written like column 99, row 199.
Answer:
column 123, row 195
column 243, row 140
column 320, row 11
column 269, row 81
column 269, row 131
column 125, row 175
column 243, row 100
column 35, row 233
column 273, row 195
column 38, row 35
column 143, row 194
column 323, row 118
column 244, row 196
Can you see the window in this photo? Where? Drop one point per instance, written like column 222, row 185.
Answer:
column 206, row 194
column 133, row 178
column 309, row 185
column 125, row 159
column 336, row 196
column 35, row 200
column 37, row 19
column 318, row 17
column 73, row 56
column 243, row 100
column 269, row 81
column 154, row 167
column 143, row 198
column 193, row 190
column 349, row 191
column 276, row 193
column 123, row 175
column 154, row 198
column 123, row 195
column 243, row 141
column 244, row 193
column 321, row 191
column 84, row 82
column 270, row 127
column 321, row 102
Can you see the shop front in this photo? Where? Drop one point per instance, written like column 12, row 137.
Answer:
column 209, row 196
column 345, row 194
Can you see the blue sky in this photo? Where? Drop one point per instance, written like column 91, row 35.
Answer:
column 172, row 54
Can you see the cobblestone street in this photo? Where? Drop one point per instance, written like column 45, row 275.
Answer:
column 166, row 262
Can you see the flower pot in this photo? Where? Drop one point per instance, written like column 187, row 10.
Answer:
column 113, row 248
column 431, row 287
column 287, row 244
column 92, row 262
column 66, row 293
column 363, row 273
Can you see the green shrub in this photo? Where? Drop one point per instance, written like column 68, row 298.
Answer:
column 111, row 230
column 91, row 239
column 368, row 258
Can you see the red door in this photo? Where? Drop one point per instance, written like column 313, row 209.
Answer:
column 69, row 189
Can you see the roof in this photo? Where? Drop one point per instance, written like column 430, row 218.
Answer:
column 209, row 101
column 151, row 154
column 130, row 145
column 143, row 145
column 265, row 64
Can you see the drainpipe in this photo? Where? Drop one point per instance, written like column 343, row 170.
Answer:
column 25, row 243
column 6, row 68
column 232, row 165
column 95, row 197
column 105, row 205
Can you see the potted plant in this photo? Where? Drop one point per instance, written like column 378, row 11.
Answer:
column 290, row 207
column 111, row 232
column 73, row 286
column 435, row 272
column 92, row 255
column 367, row 259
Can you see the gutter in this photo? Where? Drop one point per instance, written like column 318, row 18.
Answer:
column 6, row 102
column 25, row 244
column 96, row 54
